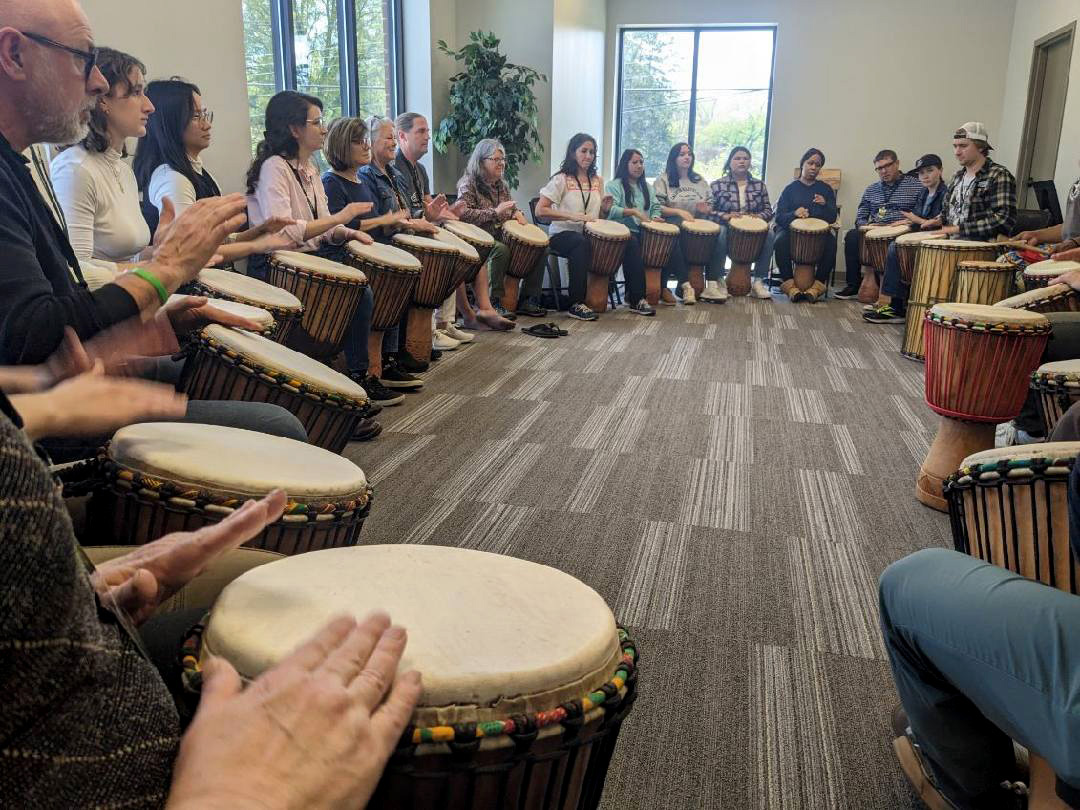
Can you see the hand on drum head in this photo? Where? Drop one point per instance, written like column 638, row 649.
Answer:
column 272, row 225
column 1031, row 237
column 189, row 313
column 268, row 243
column 1066, row 252
column 361, row 237
column 192, row 240
column 313, row 732
column 505, row 207
column 1072, row 278
column 801, row 212
column 419, row 226
column 141, row 580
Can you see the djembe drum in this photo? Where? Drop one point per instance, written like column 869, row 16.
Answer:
column 1057, row 385
column 330, row 293
column 698, row 240
column 745, row 238
column 393, row 275
column 875, row 248
column 231, row 364
column 527, row 677
column 657, row 241
column 1010, row 507
column 1055, row 298
column 807, row 239
column 284, row 307
column 480, row 239
column 468, row 258
column 907, row 248
column 982, row 282
column 608, row 242
column 935, row 272
column 438, row 276
column 267, row 325
column 163, row 477
column 527, row 245
column 1041, row 274
column 978, row 363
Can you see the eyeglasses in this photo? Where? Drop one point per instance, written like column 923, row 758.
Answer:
column 203, row 116
column 89, row 57
column 885, row 166
column 317, row 122
column 496, row 160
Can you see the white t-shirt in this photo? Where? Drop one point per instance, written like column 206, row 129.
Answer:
column 959, row 199
column 568, row 196
column 167, row 182
column 100, row 199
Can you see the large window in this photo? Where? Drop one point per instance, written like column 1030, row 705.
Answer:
column 346, row 52
column 710, row 87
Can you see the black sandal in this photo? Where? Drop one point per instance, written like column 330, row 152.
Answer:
column 541, row 330
column 556, row 329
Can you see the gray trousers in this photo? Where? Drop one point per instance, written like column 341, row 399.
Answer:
column 499, row 260
column 982, row 656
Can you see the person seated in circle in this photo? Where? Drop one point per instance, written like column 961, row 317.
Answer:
column 683, row 195
column 804, row 198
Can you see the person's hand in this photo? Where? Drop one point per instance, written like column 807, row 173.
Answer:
column 314, row 732
column 457, row 209
column 434, row 210
column 637, row 214
column 272, row 225
column 504, row 208
column 420, row 226
column 189, row 313
column 801, row 212
column 195, row 236
column 519, row 217
column 141, row 580
column 702, row 207
column 92, row 404
column 932, row 224
column 1072, row 278
column 1031, row 237
column 269, row 242
column 361, row 237
column 950, row 229
column 353, row 211
column 819, row 199
column 910, row 217
column 1070, row 255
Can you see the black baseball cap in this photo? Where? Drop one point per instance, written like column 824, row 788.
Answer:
column 924, row 161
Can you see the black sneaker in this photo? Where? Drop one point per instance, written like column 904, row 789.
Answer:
column 582, row 313
column 531, row 308
column 435, row 355
column 406, row 362
column 365, row 430
column 393, row 376
column 847, row 292
column 885, row 314
column 379, row 394
column 642, row 307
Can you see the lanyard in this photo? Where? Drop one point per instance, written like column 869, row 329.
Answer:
column 314, row 206
column 401, row 201
column 584, row 200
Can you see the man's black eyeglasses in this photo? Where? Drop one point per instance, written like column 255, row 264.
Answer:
column 89, row 57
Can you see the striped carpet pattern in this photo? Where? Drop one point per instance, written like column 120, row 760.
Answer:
column 732, row 479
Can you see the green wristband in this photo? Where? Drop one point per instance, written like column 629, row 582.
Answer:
column 153, row 281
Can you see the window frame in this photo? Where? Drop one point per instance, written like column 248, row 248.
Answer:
column 697, row 31
column 282, row 32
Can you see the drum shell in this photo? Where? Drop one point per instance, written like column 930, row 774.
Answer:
column 329, row 306
column 440, row 275
column 906, row 253
column 213, row 375
column 977, row 284
column 745, row 246
column 877, row 251
column 523, row 255
column 656, row 247
column 607, row 254
column 1055, row 396
column 482, row 248
column 392, row 289
column 1066, row 301
column 807, row 247
column 698, row 248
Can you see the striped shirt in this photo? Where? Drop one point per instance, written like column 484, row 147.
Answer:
column 882, row 203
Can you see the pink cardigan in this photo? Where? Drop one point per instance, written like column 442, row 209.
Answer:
column 278, row 194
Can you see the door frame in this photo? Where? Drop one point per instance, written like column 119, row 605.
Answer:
column 1036, row 82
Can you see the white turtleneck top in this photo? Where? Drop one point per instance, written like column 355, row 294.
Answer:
column 100, row 199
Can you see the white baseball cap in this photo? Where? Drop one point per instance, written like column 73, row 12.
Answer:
column 975, row 131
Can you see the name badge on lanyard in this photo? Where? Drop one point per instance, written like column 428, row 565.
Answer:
column 881, row 212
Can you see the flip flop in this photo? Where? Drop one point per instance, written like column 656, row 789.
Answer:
column 554, row 327
column 541, row 330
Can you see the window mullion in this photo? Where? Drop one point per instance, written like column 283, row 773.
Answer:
column 690, row 130
column 285, row 37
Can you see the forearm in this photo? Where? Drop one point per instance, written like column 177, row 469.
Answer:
column 316, row 228
column 37, row 413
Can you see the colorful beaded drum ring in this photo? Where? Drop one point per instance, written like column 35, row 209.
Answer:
column 1057, row 385
column 1040, row 274
column 1055, row 298
column 164, row 477
column 527, row 677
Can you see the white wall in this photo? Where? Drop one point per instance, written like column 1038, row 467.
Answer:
column 427, row 71
column 577, row 75
column 1035, row 19
column 853, row 77
column 204, row 42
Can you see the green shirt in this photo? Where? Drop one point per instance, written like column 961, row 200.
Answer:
column 637, row 200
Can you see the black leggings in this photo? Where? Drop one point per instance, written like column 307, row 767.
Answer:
column 782, row 251
column 577, row 251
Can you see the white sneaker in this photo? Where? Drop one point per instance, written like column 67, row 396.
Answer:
column 687, row 291
column 443, row 342
column 715, row 291
column 759, row 290
column 457, row 334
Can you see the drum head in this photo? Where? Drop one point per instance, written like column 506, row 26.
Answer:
column 607, row 229
column 1069, row 369
column 463, row 247
column 1033, row 297
column 809, row 225
column 530, row 234
column 385, row 255
column 473, row 233
column 1050, row 268
column 422, row 243
column 257, row 314
column 236, row 462
column 278, row 359
column 700, row 227
column 960, row 244
column 493, row 635
column 1024, row 453
column 887, row 232
column 751, row 224
column 666, row 228
column 250, row 290
column 991, row 316
column 317, row 265
column 985, row 267
column 919, row 236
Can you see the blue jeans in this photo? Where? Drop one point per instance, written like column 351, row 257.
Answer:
column 891, row 284
column 982, row 656
column 720, row 254
column 356, row 336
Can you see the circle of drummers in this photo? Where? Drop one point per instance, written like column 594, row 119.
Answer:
column 240, row 387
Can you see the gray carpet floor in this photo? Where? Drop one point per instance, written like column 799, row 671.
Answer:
column 732, row 479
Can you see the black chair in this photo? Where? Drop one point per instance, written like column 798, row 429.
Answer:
column 554, row 276
column 1030, row 219
column 1046, row 194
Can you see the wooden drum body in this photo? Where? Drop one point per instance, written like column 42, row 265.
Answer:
column 527, row 245
column 468, row 257
column 1057, row 385
column 698, row 240
column 907, row 248
column 284, row 307
column 230, row 364
column 482, row 241
column 874, row 246
column 808, row 237
column 978, row 363
column 935, row 272
column 1055, row 298
column 1010, row 507
column 164, row 477
column 982, row 282
column 393, row 275
column 745, row 238
column 657, row 241
column 607, row 241
column 439, row 275
column 527, row 677
column 330, row 293
column 1040, row 274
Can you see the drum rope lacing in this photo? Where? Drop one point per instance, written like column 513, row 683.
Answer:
column 572, row 711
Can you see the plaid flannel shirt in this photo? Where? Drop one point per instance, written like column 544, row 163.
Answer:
column 991, row 207
column 725, row 199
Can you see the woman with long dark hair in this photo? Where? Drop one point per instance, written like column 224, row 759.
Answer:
column 738, row 194
column 804, row 197
column 168, row 165
column 683, row 195
column 633, row 203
